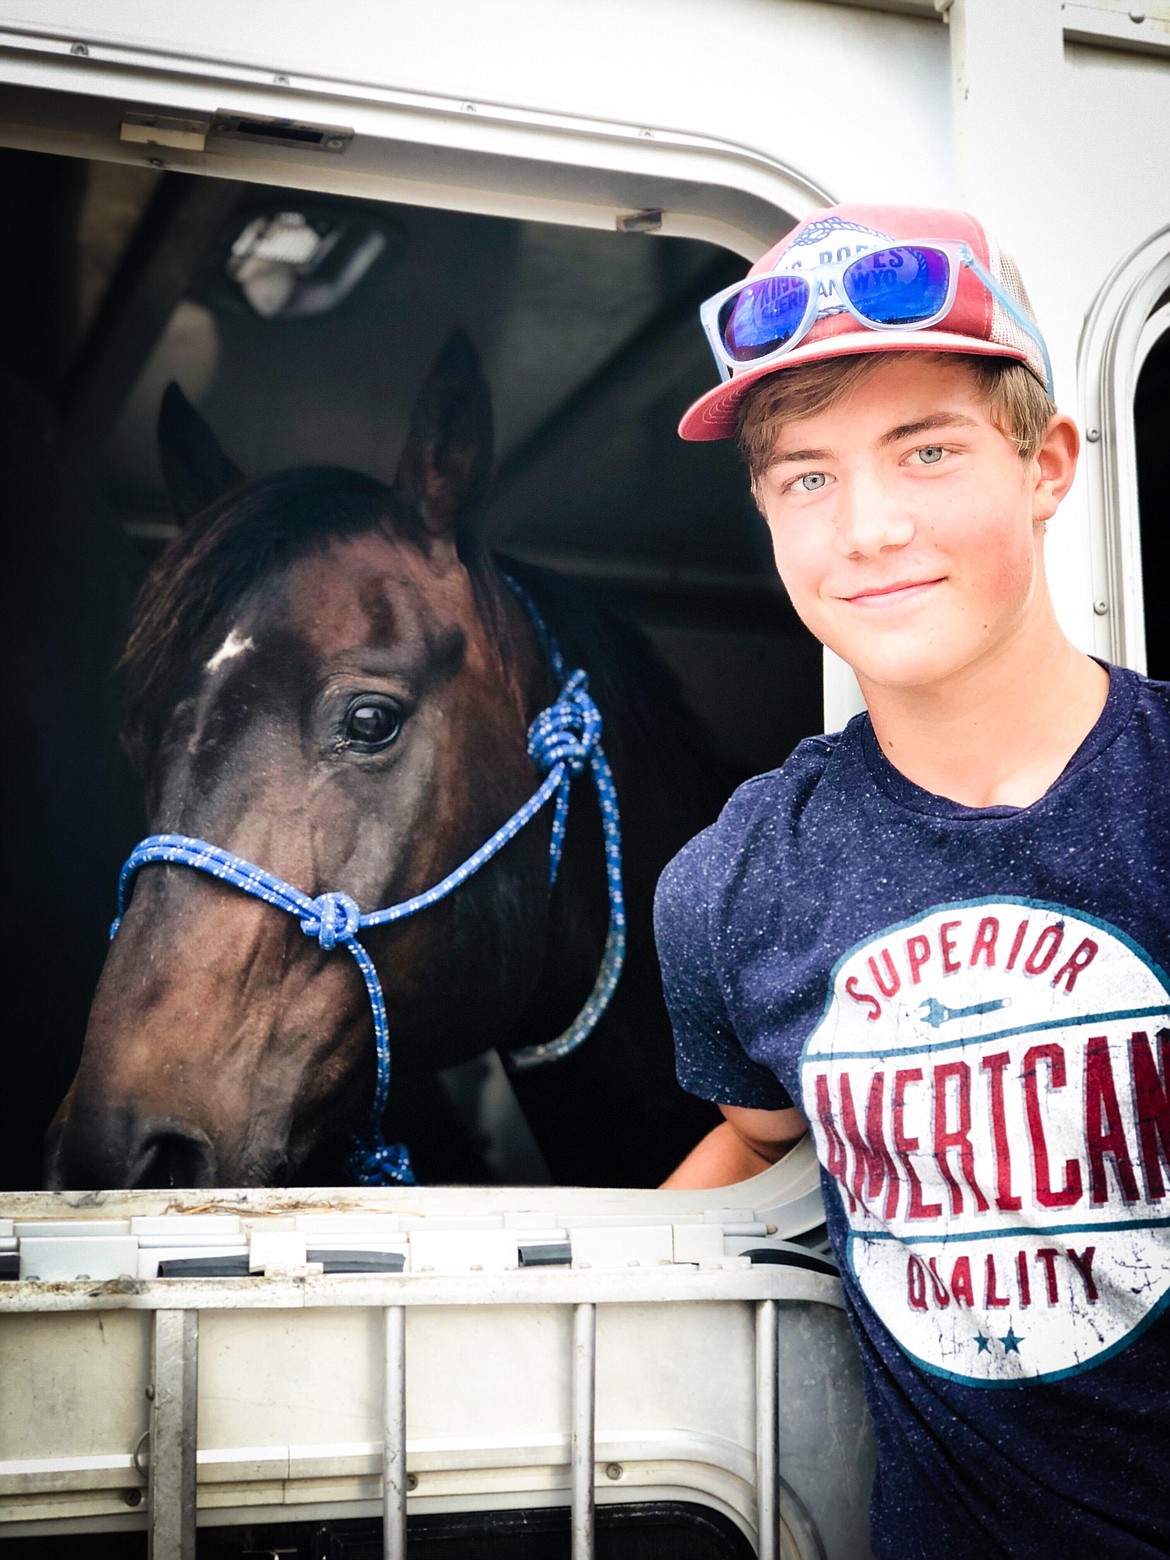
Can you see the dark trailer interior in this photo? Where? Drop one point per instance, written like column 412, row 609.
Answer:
column 301, row 325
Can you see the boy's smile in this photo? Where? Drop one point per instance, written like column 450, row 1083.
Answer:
column 907, row 529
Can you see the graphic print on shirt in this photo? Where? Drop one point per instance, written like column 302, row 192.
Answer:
column 990, row 1087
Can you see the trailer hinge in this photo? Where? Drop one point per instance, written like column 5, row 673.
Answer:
column 187, row 135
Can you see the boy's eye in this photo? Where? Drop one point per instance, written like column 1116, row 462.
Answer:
column 811, row 481
column 931, row 454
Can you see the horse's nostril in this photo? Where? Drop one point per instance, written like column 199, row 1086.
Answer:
column 174, row 1157
column 100, row 1149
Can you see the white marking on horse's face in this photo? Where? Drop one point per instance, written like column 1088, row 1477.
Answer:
column 232, row 646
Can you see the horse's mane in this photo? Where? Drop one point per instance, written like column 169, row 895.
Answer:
column 657, row 741
column 267, row 522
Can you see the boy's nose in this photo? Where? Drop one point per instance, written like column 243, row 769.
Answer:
column 870, row 518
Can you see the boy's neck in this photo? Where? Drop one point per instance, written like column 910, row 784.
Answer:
column 996, row 735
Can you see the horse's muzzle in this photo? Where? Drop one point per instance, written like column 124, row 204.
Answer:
column 102, row 1150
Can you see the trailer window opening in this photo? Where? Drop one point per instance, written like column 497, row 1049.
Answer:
column 1151, row 414
column 1124, row 406
column 591, row 345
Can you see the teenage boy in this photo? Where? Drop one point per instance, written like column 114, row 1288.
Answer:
column 940, row 937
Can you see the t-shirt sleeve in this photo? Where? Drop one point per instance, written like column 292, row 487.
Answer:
column 709, row 1059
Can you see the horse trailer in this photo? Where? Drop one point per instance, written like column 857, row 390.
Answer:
column 287, row 213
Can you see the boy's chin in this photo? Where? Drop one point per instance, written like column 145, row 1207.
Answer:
column 908, row 671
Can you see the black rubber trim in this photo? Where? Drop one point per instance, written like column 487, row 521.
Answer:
column 235, row 1266
column 796, row 1259
column 556, row 1253
column 358, row 1261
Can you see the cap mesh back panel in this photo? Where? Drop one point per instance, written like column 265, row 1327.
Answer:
column 1004, row 328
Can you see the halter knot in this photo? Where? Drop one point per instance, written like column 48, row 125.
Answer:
column 378, row 1163
column 568, row 731
column 335, row 919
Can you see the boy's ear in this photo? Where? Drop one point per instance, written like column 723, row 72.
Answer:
column 1055, row 466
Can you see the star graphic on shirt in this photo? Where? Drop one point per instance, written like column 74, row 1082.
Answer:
column 984, row 1343
column 1011, row 1343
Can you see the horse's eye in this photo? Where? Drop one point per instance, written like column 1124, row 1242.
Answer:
column 371, row 722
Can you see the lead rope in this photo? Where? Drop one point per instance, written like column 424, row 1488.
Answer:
column 562, row 740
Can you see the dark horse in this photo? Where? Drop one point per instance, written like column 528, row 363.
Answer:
column 331, row 679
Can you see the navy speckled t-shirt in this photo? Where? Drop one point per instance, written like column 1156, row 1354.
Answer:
column 971, row 1008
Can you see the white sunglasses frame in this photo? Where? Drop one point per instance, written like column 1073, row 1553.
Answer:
column 959, row 255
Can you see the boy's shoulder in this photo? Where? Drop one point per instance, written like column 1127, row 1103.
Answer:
column 766, row 810
column 780, row 793
column 1149, row 726
column 1153, row 693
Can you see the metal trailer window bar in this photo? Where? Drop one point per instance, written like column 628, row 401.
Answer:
column 174, row 1434
column 581, row 1440
column 394, row 1445
column 767, row 1430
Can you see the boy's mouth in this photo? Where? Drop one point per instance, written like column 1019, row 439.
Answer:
column 895, row 591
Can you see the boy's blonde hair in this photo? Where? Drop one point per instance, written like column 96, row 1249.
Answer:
column 1018, row 403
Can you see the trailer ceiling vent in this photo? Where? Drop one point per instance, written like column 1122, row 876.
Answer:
column 287, row 263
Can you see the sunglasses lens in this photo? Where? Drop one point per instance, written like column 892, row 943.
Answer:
column 898, row 286
column 762, row 316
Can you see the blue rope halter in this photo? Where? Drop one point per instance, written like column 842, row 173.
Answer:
column 562, row 740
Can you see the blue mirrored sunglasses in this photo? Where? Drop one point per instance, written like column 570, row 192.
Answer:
column 899, row 286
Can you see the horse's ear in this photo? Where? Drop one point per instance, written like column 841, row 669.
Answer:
column 195, row 468
column 447, row 458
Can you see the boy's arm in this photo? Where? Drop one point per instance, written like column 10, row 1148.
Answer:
column 742, row 1145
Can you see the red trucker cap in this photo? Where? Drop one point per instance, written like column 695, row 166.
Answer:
column 976, row 323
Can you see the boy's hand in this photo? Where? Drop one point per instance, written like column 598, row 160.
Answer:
column 743, row 1145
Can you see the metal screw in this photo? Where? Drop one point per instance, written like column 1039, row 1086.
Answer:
column 614, row 1471
column 156, row 162
column 647, row 135
column 1137, row 16
column 132, row 1497
column 280, row 81
column 335, row 143
column 1093, row 434
column 80, row 49
column 412, row 1481
column 150, row 1393
column 1100, row 608
column 469, row 108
